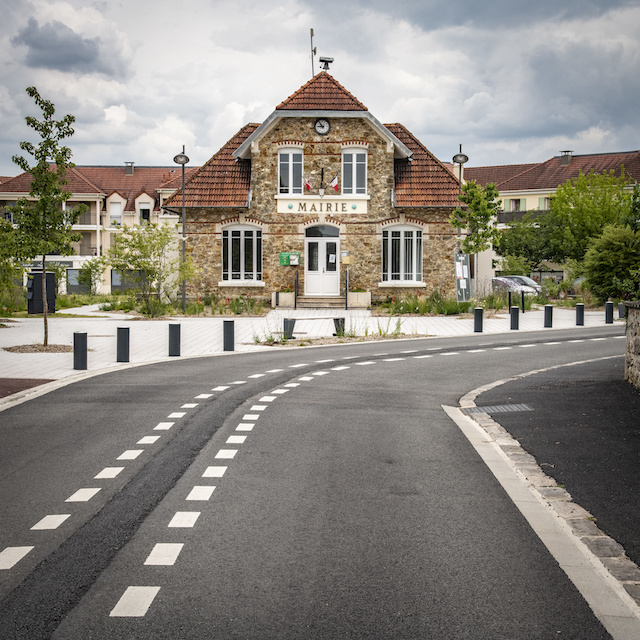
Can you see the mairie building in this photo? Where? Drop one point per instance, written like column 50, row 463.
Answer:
column 323, row 199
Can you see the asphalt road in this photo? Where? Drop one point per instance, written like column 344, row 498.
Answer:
column 346, row 505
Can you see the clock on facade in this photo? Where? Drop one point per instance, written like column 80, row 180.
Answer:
column 322, row 126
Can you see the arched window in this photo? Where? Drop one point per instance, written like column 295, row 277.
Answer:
column 290, row 168
column 241, row 253
column 402, row 254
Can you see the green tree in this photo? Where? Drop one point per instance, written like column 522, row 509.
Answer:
column 11, row 271
column 42, row 223
column 523, row 239
column 148, row 255
column 612, row 264
column 91, row 272
column 579, row 211
column 479, row 217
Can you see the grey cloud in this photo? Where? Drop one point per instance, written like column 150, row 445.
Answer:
column 435, row 14
column 56, row 46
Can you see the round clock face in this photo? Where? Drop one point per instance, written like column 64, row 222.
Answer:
column 322, row 126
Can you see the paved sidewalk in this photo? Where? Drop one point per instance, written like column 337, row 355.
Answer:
column 149, row 340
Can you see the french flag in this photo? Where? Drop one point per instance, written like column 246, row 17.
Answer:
column 334, row 182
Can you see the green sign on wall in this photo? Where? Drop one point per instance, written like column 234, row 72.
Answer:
column 289, row 258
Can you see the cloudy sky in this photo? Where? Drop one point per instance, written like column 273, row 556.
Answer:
column 512, row 80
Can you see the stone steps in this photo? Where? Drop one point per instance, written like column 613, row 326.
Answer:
column 321, row 302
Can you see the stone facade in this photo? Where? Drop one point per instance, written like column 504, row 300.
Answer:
column 360, row 219
column 632, row 361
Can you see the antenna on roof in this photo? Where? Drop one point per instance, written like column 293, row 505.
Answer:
column 313, row 53
column 325, row 62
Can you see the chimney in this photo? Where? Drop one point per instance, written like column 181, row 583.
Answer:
column 565, row 157
column 128, row 168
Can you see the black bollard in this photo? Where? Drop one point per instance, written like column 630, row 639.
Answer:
column 515, row 318
column 580, row 314
column 548, row 315
column 522, row 301
column 477, row 319
column 622, row 311
column 228, row 335
column 289, row 324
column 122, row 344
column 79, row 350
column 608, row 312
column 174, row 339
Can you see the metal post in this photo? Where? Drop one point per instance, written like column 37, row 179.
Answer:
column 122, row 344
column 548, row 316
column 338, row 323
column 477, row 319
column 622, row 311
column 522, row 301
column 79, row 350
column 174, row 339
column 608, row 312
column 228, row 335
column 580, row 314
column 509, row 299
column 295, row 291
column 289, row 324
column 515, row 318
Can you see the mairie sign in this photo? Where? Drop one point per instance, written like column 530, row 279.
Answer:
column 328, row 204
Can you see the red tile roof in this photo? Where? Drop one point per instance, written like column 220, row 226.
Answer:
column 108, row 180
column 552, row 173
column 324, row 93
column 221, row 181
column 422, row 181
column 495, row 174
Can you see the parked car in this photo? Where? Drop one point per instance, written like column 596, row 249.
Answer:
column 525, row 281
column 506, row 284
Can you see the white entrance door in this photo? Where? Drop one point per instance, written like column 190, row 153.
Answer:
column 322, row 261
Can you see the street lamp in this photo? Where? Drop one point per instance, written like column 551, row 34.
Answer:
column 182, row 159
column 459, row 159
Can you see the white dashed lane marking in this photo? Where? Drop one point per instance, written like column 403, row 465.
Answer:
column 108, row 473
column 364, row 364
column 200, row 493
column 258, row 407
column 163, row 426
column 12, row 555
column 236, row 439
column 296, row 366
column 245, row 426
column 250, row 416
column 279, row 392
column 177, row 414
column 130, row 454
column 50, row 522
column 267, row 398
column 135, row 602
column 204, row 396
column 306, row 378
column 342, row 368
column 292, row 385
column 221, row 388
column 164, row 554
column 189, row 405
column 148, row 440
column 83, row 495
column 214, row 472
column 184, row 519
column 257, row 375
column 226, row 454
column 275, row 370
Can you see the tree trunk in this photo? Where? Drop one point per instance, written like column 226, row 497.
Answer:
column 45, row 305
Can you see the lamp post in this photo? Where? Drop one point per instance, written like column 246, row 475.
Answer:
column 461, row 261
column 459, row 159
column 182, row 159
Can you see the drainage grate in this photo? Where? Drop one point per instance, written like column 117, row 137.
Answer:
column 498, row 408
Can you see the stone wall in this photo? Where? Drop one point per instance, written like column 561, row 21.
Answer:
column 360, row 233
column 632, row 361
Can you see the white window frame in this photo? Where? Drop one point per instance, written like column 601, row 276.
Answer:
column 234, row 265
column 113, row 218
column 354, row 182
column 402, row 256
column 145, row 206
column 288, row 162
